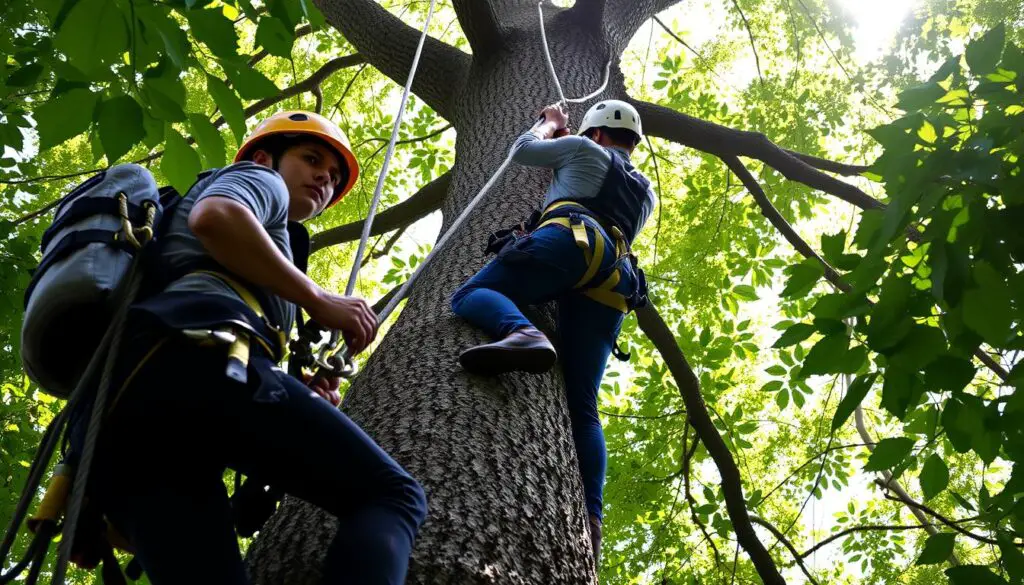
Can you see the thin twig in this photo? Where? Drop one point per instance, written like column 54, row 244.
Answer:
column 753, row 43
column 785, row 541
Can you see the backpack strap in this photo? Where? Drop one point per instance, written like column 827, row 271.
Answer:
column 84, row 208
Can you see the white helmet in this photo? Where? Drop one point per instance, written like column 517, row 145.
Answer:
column 612, row 114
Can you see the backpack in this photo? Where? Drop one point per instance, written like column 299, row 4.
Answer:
column 97, row 230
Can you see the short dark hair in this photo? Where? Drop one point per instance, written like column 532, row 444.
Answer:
column 278, row 144
column 620, row 136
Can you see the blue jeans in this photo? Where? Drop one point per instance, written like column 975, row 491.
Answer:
column 545, row 266
column 181, row 422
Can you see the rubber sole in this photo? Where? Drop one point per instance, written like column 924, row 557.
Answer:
column 489, row 360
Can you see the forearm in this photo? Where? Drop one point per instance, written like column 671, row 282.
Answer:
column 235, row 239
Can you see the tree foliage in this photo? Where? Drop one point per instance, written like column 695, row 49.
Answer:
column 867, row 393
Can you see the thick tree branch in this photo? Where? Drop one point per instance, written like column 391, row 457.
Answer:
column 308, row 84
column 480, row 25
column 422, row 203
column 732, row 485
column 722, row 141
column 829, row 165
column 389, row 45
column 785, row 541
column 618, row 19
column 780, row 223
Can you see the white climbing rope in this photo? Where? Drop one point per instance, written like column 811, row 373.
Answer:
column 343, row 356
column 375, row 201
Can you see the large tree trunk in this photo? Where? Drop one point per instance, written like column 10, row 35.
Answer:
column 495, row 456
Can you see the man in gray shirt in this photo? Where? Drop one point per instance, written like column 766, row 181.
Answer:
column 179, row 420
column 579, row 255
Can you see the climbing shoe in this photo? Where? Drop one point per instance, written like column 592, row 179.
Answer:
column 524, row 350
column 595, row 539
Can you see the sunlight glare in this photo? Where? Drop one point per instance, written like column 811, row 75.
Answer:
column 876, row 21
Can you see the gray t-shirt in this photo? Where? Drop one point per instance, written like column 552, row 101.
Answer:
column 260, row 189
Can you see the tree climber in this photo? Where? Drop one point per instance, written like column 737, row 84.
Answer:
column 199, row 390
column 575, row 252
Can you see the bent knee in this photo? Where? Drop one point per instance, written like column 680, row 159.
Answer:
column 459, row 297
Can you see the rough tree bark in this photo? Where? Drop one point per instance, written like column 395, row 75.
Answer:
column 495, row 455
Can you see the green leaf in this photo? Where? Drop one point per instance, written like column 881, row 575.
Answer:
column 826, row 355
column 1013, row 559
column 934, row 476
column 745, row 292
column 94, row 34
column 795, row 334
column 889, row 322
column 210, row 142
column 900, row 390
column 174, row 39
column 937, row 549
column 275, row 37
column 854, row 396
column 950, row 268
column 154, row 130
column 782, row 399
column 963, row 419
column 920, row 96
column 987, row 307
column 776, row 370
column 962, row 502
column 161, row 106
column 180, row 164
column 287, row 11
column 250, row 83
column 973, row 575
column 25, row 76
column 249, row 9
column 802, row 277
column 949, row 373
column 919, row 347
column 984, row 54
column 64, row 117
column 216, row 31
column 832, row 247
column 313, row 15
column 889, row 453
column 229, row 105
column 121, row 126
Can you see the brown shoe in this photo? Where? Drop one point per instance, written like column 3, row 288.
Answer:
column 524, row 350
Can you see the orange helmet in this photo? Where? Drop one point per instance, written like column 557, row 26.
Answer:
column 308, row 124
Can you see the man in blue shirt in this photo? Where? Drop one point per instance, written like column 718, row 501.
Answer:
column 579, row 255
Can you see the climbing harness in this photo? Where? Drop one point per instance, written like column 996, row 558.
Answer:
column 332, row 364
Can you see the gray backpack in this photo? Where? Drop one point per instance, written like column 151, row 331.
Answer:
column 97, row 230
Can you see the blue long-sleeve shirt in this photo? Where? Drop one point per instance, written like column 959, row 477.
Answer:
column 579, row 165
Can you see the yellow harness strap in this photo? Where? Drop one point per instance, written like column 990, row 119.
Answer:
column 55, row 499
column 602, row 293
column 237, row 351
